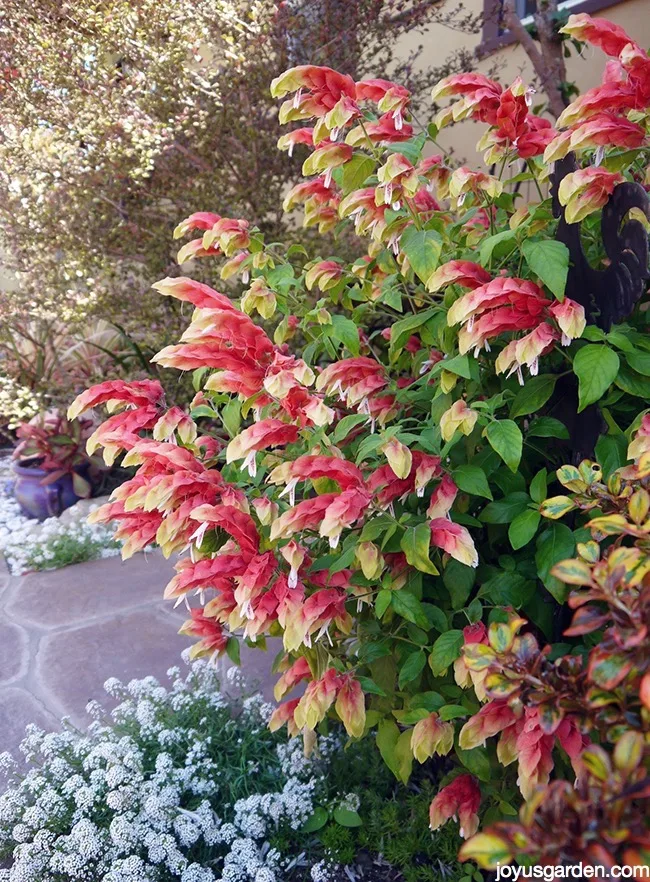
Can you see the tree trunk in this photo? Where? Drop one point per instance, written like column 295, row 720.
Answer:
column 548, row 58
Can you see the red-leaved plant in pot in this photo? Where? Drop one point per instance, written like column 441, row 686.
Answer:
column 52, row 468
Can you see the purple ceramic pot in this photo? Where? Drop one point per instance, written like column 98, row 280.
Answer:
column 42, row 500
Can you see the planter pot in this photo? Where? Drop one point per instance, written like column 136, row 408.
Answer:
column 42, row 500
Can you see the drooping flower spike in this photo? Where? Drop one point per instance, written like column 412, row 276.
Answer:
column 599, row 32
column 200, row 295
column 602, row 130
column 480, row 97
column 297, row 136
column 384, row 131
column 200, row 220
column 352, row 379
column 389, row 98
column 116, row 394
column 459, row 272
column 459, row 799
column 586, row 190
column 318, row 92
column 260, row 436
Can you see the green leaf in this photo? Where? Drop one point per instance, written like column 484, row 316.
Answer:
column 232, row 650
column 547, row 427
column 347, row 818
column 445, row 651
column 318, row 820
column 422, row 247
column 387, row 735
column 345, row 331
column 459, row 365
column 198, row 376
column 370, row 687
column 81, row 486
column 639, row 361
column 452, row 712
column 355, row 172
column 507, row 589
column 345, row 426
column 533, row 395
column 437, row 618
column 368, row 445
column 412, row 148
column 459, row 581
column 402, row 330
column 342, row 561
column 376, row 527
column 505, row 510
column 428, row 701
column 555, row 544
column 409, row 607
column 499, row 245
column 475, row 761
column 538, row 486
column 523, row 528
column 382, row 602
column 415, row 544
column 475, row 611
column 395, row 749
column 504, row 436
column 281, row 278
column 231, row 416
column 549, row 260
column 472, row 479
column 594, row 334
column 633, row 383
column 619, row 338
column 411, row 668
column 391, row 297
column 596, row 368
column 611, row 453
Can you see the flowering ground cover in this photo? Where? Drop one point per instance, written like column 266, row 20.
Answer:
column 28, row 545
column 185, row 783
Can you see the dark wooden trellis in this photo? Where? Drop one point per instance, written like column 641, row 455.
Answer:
column 608, row 295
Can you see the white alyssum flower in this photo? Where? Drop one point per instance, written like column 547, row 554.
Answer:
column 157, row 782
column 30, row 545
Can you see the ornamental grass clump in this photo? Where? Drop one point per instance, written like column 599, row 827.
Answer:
column 376, row 495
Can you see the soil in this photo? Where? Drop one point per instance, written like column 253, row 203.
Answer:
column 366, row 869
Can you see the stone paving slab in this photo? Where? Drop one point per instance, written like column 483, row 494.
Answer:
column 64, row 633
column 72, row 665
column 18, row 708
column 88, row 591
column 14, row 652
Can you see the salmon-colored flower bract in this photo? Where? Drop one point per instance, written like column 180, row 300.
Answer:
column 461, row 800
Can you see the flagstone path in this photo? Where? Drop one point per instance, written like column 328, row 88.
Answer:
column 63, row 633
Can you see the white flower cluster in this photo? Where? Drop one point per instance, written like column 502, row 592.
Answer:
column 323, row 871
column 159, row 790
column 30, row 545
column 18, row 404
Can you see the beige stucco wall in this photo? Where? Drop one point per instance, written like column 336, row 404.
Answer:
column 8, row 280
column 440, row 42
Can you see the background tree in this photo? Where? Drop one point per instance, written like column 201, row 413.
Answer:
column 118, row 117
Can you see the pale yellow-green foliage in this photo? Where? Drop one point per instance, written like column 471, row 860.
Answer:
column 122, row 117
